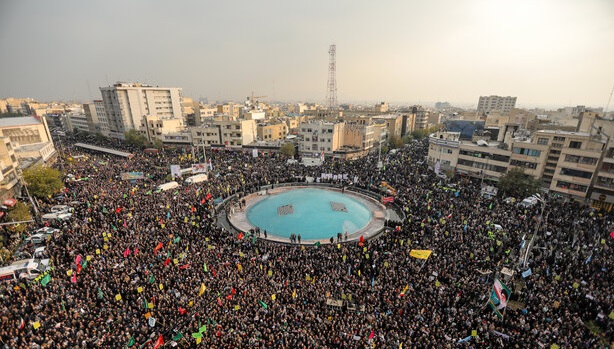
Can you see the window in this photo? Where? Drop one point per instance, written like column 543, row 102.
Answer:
column 559, row 139
column 525, row 164
column 575, row 145
column 557, row 145
column 542, row 141
column 575, row 173
column 571, row 186
column 527, row 151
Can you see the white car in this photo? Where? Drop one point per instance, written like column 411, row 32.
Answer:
column 61, row 208
column 37, row 238
column 59, row 216
column 45, row 230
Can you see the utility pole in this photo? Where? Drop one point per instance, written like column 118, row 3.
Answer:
column 537, row 227
column 331, row 96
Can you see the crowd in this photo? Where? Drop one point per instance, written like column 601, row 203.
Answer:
column 139, row 268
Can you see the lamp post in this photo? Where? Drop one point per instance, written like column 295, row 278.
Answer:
column 537, row 226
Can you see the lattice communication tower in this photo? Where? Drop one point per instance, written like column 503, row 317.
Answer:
column 331, row 96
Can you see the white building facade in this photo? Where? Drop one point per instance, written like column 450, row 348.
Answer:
column 127, row 103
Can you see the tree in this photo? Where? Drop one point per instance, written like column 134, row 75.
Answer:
column 518, row 184
column 135, row 139
column 157, row 143
column 287, row 149
column 43, row 181
column 18, row 213
column 395, row 142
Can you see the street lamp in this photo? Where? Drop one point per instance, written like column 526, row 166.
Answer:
column 537, row 226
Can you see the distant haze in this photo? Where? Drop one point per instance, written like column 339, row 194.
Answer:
column 546, row 53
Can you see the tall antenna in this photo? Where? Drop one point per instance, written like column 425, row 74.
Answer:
column 331, row 96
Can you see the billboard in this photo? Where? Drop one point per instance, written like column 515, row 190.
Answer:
column 199, row 168
column 129, row 176
column 175, row 171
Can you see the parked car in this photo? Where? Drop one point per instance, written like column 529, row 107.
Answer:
column 59, row 216
column 61, row 208
column 529, row 201
column 37, row 239
column 45, row 230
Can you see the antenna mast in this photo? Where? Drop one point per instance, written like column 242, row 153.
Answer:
column 331, row 96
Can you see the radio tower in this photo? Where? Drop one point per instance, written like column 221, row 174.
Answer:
column 331, row 96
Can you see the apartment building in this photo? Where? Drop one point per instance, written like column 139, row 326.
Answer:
column 9, row 168
column 393, row 122
column 127, row 103
column 421, row 118
column 78, row 121
column 154, row 127
column 444, row 148
column 25, row 130
column 488, row 104
column 101, row 113
column 225, row 131
column 272, row 130
column 318, row 137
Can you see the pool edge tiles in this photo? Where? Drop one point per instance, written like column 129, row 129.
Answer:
column 374, row 224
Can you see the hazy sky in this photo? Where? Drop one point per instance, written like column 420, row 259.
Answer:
column 547, row 53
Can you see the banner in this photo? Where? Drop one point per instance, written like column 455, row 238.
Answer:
column 420, row 254
column 255, row 153
column 129, row 176
column 175, row 171
column 199, row 168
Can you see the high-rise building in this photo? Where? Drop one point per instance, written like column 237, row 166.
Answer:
column 127, row 103
column 503, row 105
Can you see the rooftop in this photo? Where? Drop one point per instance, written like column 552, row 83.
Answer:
column 19, row 121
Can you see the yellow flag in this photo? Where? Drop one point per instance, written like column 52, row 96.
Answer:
column 88, row 258
column 36, row 325
column 273, row 297
column 69, row 272
column 139, row 289
column 420, row 254
column 97, row 251
column 294, row 294
column 237, row 307
column 161, row 286
column 118, row 297
column 270, row 273
column 405, row 289
column 198, row 340
column 239, row 267
column 150, row 305
column 105, row 246
column 202, row 289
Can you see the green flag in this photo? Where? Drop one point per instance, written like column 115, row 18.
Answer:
column 205, row 267
column 130, row 342
column 317, row 244
column 263, row 304
column 144, row 303
column 152, row 279
column 178, row 336
column 202, row 329
column 104, row 210
column 148, row 193
column 100, row 294
column 177, row 239
column 176, row 192
column 197, row 335
column 84, row 265
column 45, row 280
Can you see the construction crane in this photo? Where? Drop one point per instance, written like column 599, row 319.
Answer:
column 252, row 100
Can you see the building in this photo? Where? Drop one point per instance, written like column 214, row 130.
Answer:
column 381, row 108
column 421, row 121
column 272, row 130
column 444, row 148
column 319, row 137
column 79, row 122
column 225, row 131
column 165, row 130
column 25, row 130
column 127, row 103
column 9, row 168
column 393, row 122
column 487, row 104
column 103, row 123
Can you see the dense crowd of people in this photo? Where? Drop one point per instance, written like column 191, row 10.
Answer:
column 139, row 268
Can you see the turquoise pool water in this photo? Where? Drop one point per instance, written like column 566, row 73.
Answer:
column 314, row 213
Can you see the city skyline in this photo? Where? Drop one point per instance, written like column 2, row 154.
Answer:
column 547, row 53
